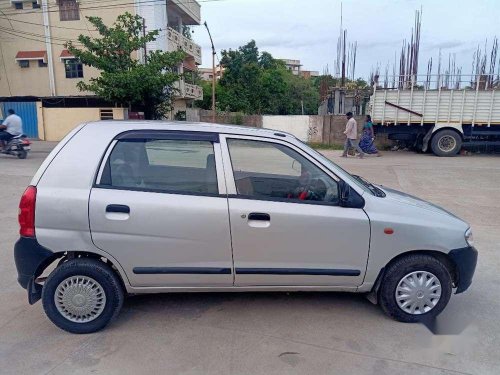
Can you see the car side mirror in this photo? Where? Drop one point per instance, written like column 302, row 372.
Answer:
column 344, row 190
column 349, row 197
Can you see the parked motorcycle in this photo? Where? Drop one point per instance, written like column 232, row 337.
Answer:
column 18, row 146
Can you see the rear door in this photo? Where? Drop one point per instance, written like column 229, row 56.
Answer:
column 287, row 226
column 159, row 206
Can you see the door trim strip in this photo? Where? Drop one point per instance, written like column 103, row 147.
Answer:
column 181, row 271
column 297, row 271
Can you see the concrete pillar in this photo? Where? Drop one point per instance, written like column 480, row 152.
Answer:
column 179, row 24
column 40, row 122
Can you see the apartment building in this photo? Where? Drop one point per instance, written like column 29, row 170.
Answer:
column 293, row 65
column 296, row 68
column 207, row 74
column 35, row 63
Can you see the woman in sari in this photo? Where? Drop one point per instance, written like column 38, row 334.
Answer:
column 367, row 139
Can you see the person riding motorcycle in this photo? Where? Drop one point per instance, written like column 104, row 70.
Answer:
column 11, row 127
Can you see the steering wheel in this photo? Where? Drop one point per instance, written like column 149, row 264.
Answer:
column 304, row 190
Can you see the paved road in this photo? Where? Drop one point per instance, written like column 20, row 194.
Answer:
column 273, row 333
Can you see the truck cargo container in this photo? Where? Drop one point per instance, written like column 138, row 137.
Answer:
column 441, row 120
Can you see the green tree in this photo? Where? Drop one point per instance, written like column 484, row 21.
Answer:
column 331, row 81
column 302, row 93
column 256, row 83
column 123, row 78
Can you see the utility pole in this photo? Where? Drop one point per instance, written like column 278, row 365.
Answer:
column 144, row 36
column 48, row 47
column 213, row 72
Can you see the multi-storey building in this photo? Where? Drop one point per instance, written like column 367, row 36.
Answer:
column 293, row 65
column 296, row 68
column 34, row 61
column 207, row 74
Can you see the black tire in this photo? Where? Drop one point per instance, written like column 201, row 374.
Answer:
column 22, row 154
column 403, row 267
column 446, row 136
column 96, row 270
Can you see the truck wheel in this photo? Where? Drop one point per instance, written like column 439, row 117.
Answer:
column 82, row 295
column 415, row 288
column 446, row 143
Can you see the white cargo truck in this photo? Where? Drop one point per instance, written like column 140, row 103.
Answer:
column 442, row 120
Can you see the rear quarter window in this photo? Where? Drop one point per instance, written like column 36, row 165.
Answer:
column 175, row 166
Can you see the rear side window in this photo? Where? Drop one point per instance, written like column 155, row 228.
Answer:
column 176, row 166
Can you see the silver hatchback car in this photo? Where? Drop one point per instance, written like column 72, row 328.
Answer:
column 150, row 207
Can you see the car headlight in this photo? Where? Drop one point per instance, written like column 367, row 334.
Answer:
column 468, row 237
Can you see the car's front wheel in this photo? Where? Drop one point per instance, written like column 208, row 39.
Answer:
column 415, row 288
column 82, row 295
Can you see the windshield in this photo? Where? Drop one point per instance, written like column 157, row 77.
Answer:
column 336, row 168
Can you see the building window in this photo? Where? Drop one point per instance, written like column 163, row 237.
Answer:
column 69, row 10
column 74, row 68
column 35, row 5
column 24, row 63
column 42, row 64
column 18, row 5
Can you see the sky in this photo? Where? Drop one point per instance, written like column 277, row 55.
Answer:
column 308, row 29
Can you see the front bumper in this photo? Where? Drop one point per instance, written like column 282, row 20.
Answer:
column 31, row 260
column 465, row 260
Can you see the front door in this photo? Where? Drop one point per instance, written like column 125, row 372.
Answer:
column 286, row 223
column 159, row 207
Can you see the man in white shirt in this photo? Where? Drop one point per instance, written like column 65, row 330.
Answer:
column 351, row 132
column 11, row 126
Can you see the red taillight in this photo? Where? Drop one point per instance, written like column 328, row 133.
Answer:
column 27, row 212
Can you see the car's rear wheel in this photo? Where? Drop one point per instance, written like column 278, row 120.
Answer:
column 82, row 295
column 415, row 288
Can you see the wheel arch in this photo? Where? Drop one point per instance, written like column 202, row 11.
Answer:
column 437, row 129
column 68, row 255
column 442, row 257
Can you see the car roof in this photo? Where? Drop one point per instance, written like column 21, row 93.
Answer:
column 127, row 125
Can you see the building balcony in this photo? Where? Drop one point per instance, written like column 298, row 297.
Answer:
column 188, row 10
column 188, row 91
column 178, row 41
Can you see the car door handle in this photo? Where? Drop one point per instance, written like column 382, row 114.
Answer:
column 119, row 208
column 259, row 216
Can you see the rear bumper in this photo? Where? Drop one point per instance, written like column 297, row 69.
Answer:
column 465, row 260
column 31, row 258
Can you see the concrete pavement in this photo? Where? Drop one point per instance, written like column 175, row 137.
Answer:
column 273, row 333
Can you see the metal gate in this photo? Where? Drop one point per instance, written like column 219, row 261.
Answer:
column 27, row 112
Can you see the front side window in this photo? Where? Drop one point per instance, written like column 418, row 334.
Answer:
column 74, row 68
column 265, row 170
column 177, row 166
column 69, row 10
